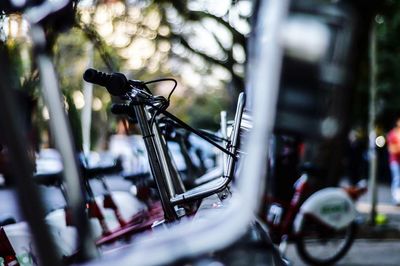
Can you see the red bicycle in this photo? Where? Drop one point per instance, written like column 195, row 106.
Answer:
column 321, row 223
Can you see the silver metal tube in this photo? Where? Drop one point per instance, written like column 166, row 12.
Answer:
column 59, row 124
column 163, row 161
column 22, row 167
column 64, row 144
column 176, row 178
column 205, row 190
column 86, row 115
column 155, row 163
column 210, row 175
column 224, row 132
column 371, row 127
column 235, row 135
column 218, row 186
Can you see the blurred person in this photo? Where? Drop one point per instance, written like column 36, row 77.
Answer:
column 356, row 155
column 393, row 141
column 286, row 167
column 129, row 147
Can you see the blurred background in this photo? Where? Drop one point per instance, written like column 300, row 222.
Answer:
column 199, row 43
column 202, row 44
column 191, row 41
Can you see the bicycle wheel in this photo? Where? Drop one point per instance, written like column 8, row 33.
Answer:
column 319, row 245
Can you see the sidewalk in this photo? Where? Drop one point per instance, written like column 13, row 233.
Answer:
column 386, row 229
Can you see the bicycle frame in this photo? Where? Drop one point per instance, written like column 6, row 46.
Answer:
column 217, row 186
column 164, row 172
column 283, row 227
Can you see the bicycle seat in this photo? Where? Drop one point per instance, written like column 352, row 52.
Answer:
column 6, row 219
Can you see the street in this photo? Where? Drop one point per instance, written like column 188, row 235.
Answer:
column 363, row 252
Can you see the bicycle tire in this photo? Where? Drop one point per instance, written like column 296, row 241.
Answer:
column 313, row 259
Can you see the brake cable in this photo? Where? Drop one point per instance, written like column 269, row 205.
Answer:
column 162, row 110
column 193, row 130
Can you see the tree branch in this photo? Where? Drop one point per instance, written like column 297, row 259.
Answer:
column 181, row 7
column 226, row 64
column 99, row 44
column 201, row 54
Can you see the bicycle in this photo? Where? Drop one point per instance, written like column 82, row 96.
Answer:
column 139, row 96
column 321, row 222
column 141, row 221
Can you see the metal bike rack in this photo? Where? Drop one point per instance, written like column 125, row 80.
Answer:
column 29, row 196
column 30, row 199
column 216, row 186
column 64, row 144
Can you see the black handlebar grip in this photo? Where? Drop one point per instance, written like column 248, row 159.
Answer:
column 115, row 83
column 120, row 109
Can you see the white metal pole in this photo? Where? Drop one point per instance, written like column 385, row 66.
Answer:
column 371, row 127
column 86, row 118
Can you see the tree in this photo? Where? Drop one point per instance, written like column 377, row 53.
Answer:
column 388, row 63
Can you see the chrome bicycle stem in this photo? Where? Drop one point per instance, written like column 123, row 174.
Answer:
column 158, row 166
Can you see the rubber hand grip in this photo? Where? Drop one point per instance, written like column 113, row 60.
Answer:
column 115, row 83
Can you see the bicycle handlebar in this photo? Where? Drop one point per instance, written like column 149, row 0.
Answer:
column 115, row 83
